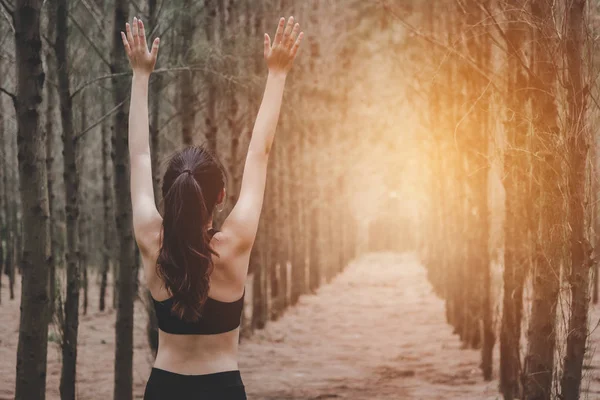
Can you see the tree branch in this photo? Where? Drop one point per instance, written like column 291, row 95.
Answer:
column 8, row 14
column 7, row 7
column 157, row 71
column 508, row 42
column 451, row 50
column 90, row 41
column 9, row 94
column 97, row 79
column 105, row 116
column 96, row 17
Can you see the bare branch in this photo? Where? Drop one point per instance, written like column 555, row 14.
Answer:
column 7, row 7
column 159, row 71
column 136, row 6
column 96, row 16
column 90, row 41
column 472, row 63
column 9, row 94
column 508, row 42
column 8, row 14
column 97, row 79
column 95, row 124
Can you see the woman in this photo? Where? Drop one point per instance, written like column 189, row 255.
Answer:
column 195, row 274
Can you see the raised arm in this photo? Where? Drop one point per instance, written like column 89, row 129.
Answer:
column 242, row 224
column 146, row 219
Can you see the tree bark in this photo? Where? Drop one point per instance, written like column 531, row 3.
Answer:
column 259, row 292
column 71, row 178
column 106, row 200
column 186, row 83
column 50, row 134
column 516, row 253
column 539, row 361
column 210, row 119
column 298, row 264
column 155, row 93
column 3, row 181
column 33, row 327
column 123, row 389
column 578, row 146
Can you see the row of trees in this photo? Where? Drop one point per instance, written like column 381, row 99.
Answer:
column 513, row 151
column 68, row 79
column 502, row 89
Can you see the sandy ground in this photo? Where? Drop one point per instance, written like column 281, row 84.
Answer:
column 376, row 332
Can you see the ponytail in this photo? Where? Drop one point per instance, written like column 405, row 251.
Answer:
column 184, row 262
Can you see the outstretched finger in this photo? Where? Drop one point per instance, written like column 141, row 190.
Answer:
column 296, row 46
column 279, row 33
column 267, row 44
column 155, row 47
column 135, row 32
column 294, row 34
column 142, row 32
column 126, row 43
column 129, row 34
column 288, row 31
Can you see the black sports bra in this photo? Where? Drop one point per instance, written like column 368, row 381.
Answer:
column 217, row 317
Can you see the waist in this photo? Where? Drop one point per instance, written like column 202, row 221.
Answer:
column 163, row 384
column 197, row 354
column 217, row 379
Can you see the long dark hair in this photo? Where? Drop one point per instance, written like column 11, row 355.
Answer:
column 191, row 186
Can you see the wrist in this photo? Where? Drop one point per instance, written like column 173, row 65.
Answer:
column 278, row 74
column 141, row 76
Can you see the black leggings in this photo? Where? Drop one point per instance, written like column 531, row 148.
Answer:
column 165, row 385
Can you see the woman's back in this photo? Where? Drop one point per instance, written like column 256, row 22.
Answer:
column 210, row 344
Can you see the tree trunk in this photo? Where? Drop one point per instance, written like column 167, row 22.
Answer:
column 3, row 181
column 155, row 92
column 123, row 389
column 578, row 145
column 11, row 219
column 539, row 361
column 70, row 147
column 106, row 200
column 298, row 262
column 259, row 311
column 516, row 253
column 488, row 339
column 272, row 220
column 210, row 15
column 285, row 247
column 50, row 133
column 84, row 219
column 186, row 83
column 33, row 327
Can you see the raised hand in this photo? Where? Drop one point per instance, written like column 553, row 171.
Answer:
column 141, row 59
column 280, row 57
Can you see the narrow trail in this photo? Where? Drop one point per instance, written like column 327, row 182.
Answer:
column 375, row 332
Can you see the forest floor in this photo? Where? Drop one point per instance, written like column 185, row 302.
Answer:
column 375, row 332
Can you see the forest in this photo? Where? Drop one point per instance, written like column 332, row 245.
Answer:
column 430, row 223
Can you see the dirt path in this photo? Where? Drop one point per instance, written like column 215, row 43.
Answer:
column 376, row 332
